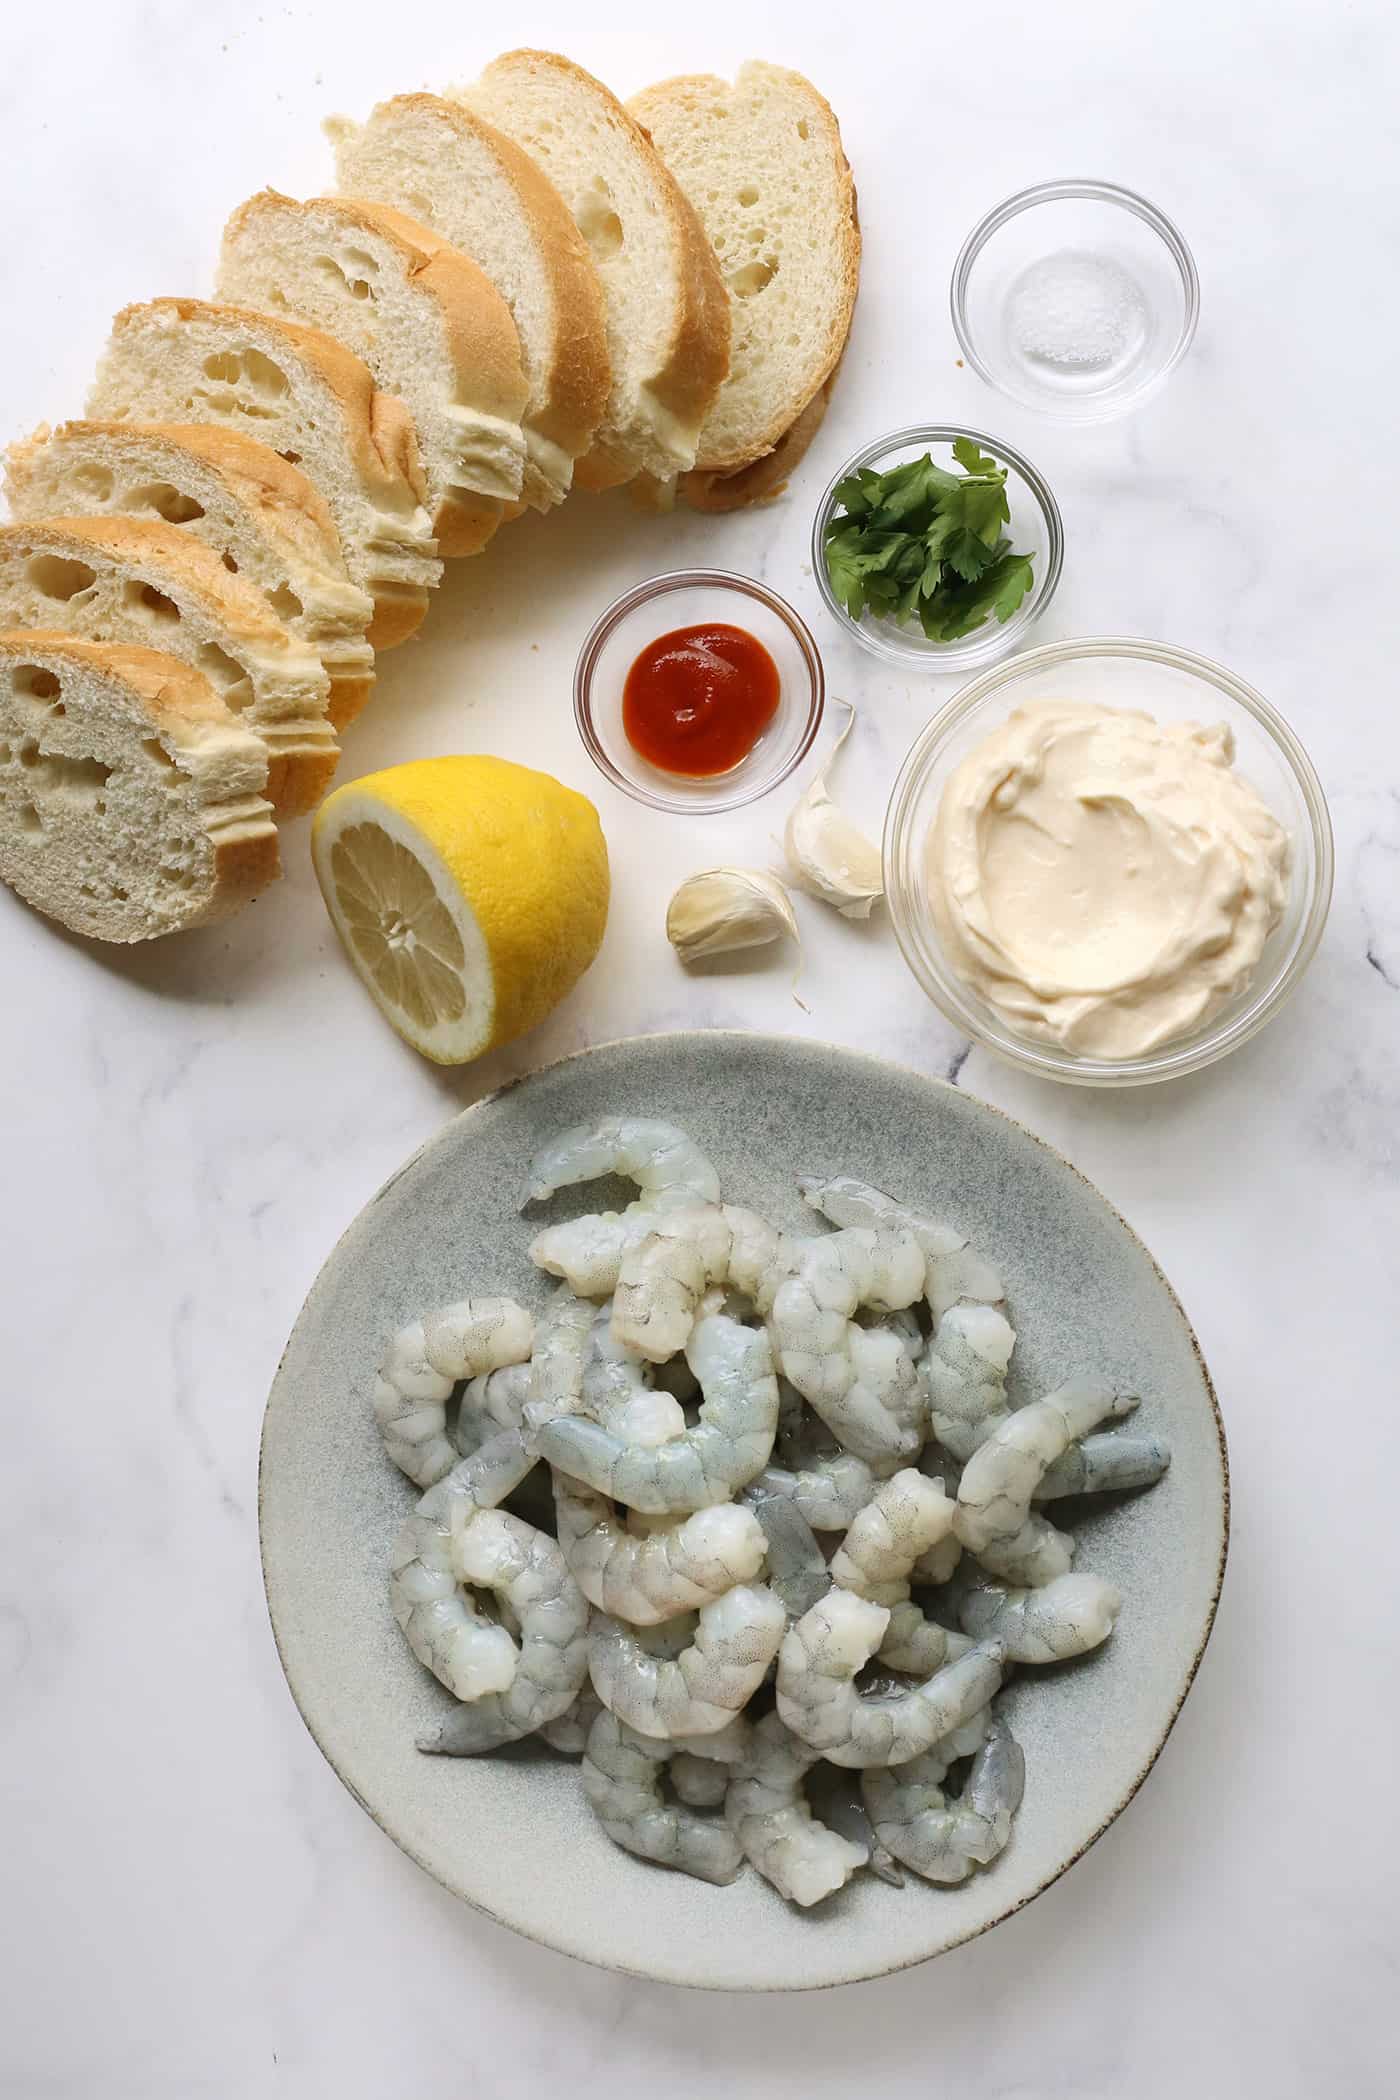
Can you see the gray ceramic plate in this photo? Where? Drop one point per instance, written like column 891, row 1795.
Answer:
column 513, row 1835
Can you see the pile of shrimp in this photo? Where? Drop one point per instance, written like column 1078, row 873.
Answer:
column 739, row 1504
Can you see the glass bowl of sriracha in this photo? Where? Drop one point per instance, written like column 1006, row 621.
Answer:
column 698, row 691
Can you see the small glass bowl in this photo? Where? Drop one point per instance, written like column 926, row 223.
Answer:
column 1035, row 529
column 1075, row 298
column 689, row 598
column 1172, row 685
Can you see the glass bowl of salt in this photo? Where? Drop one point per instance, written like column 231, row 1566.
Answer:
column 1075, row 298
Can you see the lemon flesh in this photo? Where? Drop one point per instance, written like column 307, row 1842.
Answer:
column 470, row 895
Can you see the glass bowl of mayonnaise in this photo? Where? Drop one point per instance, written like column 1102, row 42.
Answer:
column 1109, row 861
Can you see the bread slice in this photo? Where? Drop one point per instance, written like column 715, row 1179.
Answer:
column 137, row 580
column 666, row 306
column 264, row 519
column 454, row 172
column 761, row 161
column 430, row 325
column 309, row 398
column 130, row 798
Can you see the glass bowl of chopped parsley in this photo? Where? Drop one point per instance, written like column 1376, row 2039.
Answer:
column 937, row 548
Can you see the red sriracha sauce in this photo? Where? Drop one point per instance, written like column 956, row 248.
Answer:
column 697, row 700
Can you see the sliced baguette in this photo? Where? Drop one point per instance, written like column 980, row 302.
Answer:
column 454, row 172
column 666, row 305
column 761, row 161
column 143, row 581
column 309, row 398
column 427, row 321
column 130, row 798
column 265, row 520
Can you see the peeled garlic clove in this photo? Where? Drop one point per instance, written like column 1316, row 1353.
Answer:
column 726, row 908
column 826, row 855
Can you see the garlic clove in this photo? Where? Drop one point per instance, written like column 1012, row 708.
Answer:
column 827, row 856
column 728, row 908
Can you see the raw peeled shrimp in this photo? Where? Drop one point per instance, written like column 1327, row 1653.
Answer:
column 695, row 1299
column 944, row 1841
column 917, row 1646
column 658, row 1263
column 758, row 1255
column 661, row 1263
column 700, row 1690
column 587, row 1252
column 887, row 1375
column 844, row 1812
column 886, row 1354
column 443, row 1624
column 727, row 1448
column 1068, row 1616
column 769, row 1815
column 617, row 1390
column 662, row 1279
column 657, row 1576
column 964, row 1374
column 883, row 1787
column 907, row 1517
column 994, row 1519
column 622, row 1773
column 556, row 1360
column 674, row 1221
column 817, row 1696
column 797, row 1571
column 528, row 1573
column 667, row 1166
column 1106, row 1465
column 955, row 1272
column 568, row 1732
column 813, row 1331
column 828, row 1491
column 492, row 1403
column 423, row 1363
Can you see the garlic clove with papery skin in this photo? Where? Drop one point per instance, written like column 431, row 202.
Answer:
column 826, row 855
column 727, row 908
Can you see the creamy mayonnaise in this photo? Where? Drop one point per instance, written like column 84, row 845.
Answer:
column 1104, row 880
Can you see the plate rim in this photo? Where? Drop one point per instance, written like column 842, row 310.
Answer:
column 805, row 1045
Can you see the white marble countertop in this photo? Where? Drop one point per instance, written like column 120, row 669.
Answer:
column 196, row 1907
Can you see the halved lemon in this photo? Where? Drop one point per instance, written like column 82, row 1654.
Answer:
column 470, row 894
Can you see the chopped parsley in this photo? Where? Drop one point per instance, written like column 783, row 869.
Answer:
column 920, row 543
